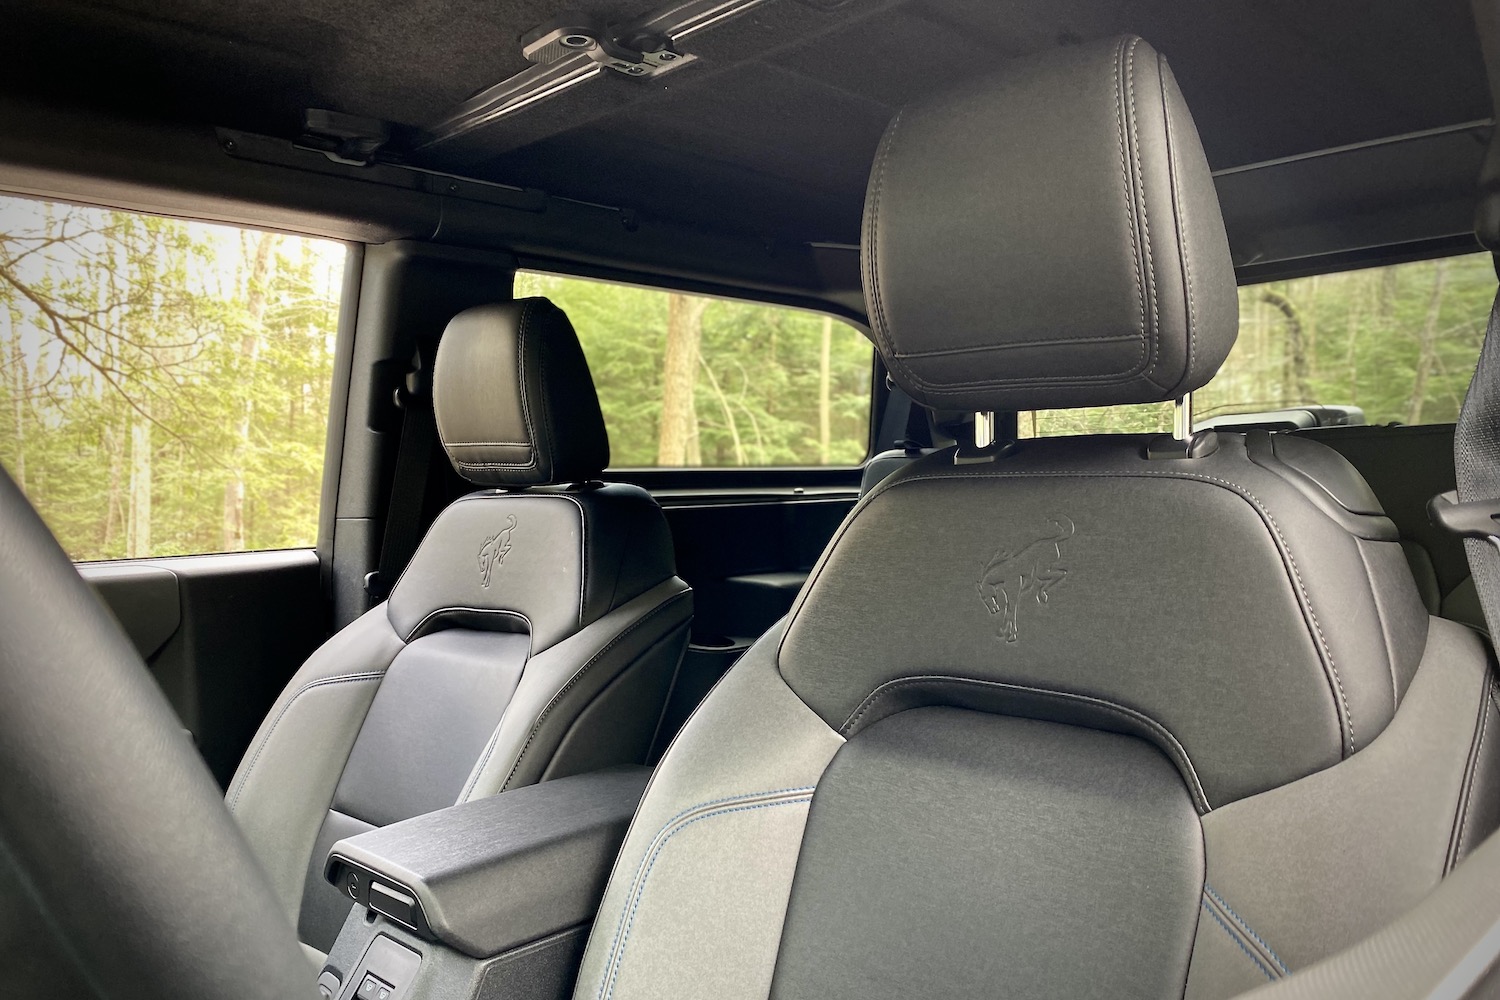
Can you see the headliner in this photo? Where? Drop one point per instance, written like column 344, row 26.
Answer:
column 772, row 130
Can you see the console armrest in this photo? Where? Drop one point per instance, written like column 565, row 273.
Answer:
column 488, row 875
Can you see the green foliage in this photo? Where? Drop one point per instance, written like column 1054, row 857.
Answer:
column 1399, row 342
column 759, row 377
column 120, row 330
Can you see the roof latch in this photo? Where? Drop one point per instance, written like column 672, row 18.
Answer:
column 344, row 138
column 633, row 53
column 574, row 48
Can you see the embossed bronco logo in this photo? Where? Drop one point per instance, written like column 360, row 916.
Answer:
column 1030, row 571
column 494, row 551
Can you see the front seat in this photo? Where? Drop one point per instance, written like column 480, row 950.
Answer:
column 536, row 632
column 1158, row 717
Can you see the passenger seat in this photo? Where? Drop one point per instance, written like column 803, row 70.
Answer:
column 535, row 634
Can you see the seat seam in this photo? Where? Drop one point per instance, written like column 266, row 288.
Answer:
column 617, row 958
column 1466, row 791
column 1330, row 668
column 1122, row 140
column 1195, row 789
column 1183, row 256
column 1153, row 335
column 566, row 688
column 880, row 325
column 1238, row 943
column 320, row 682
column 1244, row 925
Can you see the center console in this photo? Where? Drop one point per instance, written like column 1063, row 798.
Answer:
column 488, row 899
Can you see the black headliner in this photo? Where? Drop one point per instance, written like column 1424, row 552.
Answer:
column 772, row 130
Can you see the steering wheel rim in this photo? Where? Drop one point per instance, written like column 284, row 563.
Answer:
column 110, row 823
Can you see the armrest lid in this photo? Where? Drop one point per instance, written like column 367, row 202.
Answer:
column 497, row 872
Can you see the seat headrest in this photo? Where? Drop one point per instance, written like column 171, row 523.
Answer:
column 514, row 401
column 1049, row 237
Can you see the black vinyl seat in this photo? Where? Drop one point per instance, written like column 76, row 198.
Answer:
column 535, row 634
column 1158, row 718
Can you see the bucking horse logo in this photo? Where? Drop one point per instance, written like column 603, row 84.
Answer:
column 1030, row 571
column 495, row 549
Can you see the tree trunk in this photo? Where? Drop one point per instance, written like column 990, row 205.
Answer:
column 1427, row 343
column 1296, row 346
column 825, row 408
column 257, row 287
column 19, row 391
column 138, row 526
column 679, row 418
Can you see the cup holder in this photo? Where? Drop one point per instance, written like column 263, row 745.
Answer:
column 713, row 642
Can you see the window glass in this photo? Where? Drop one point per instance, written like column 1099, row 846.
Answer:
column 165, row 383
column 686, row 380
column 1396, row 344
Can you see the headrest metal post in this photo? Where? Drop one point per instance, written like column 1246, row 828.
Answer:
column 1182, row 417
column 984, row 429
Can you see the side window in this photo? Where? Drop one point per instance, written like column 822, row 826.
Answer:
column 165, row 383
column 1381, row 345
column 686, row 380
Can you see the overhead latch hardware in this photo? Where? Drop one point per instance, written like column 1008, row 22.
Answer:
column 344, row 138
column 574, row 48
column 639, row 55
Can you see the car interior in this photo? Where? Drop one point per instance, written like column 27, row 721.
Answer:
column 749, row 498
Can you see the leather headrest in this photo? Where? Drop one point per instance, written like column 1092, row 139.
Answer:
column 1049, row 237
column 514, row 401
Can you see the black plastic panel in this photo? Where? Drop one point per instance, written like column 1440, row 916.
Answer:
column 222, row 634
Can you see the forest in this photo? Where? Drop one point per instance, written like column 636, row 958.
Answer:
column 164, row 385
column 686, row 380
column 1398, row 342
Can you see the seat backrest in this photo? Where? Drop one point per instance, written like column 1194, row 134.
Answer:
column 1157, row 718
column 535, row 633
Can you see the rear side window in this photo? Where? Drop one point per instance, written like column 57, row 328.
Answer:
column 688, row 380
column 1383, row 345
column 165, row 383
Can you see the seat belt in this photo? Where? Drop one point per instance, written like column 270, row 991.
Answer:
column 1473, row 510
column 409, row 486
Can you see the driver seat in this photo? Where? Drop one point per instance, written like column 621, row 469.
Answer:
column 1158, row 718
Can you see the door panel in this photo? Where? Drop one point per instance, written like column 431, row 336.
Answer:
column 746, row 555
column 222, row 634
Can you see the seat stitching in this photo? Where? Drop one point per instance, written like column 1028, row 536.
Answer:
column 613, row 973
column 1245, row 926
column 1466, row 797
column 1238, row 943
column 1200, row 798
column 887, row 144
column 1326, row 654
column 572, row 682
column 320, row 682
column 610, row 955
column 1153, row 335
column 1183, row 256
column 1135, row 253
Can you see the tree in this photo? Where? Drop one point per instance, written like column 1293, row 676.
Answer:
column 1426, row 343
column 679, row 417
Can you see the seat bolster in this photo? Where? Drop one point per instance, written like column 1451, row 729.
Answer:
column 281, row 793
column 1313, row 866
column 643, row 638
column 698, row 896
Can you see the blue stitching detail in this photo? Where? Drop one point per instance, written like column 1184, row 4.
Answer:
column 1238, row 943
column 619, row 960
column 636, row 882
column 1247, row 929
